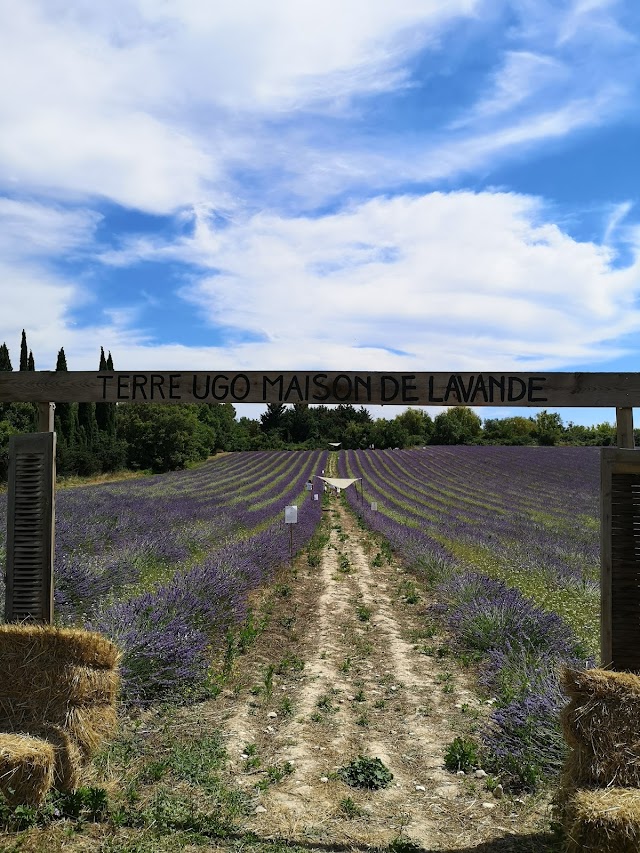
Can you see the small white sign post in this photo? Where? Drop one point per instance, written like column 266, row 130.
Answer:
column 290, row 518
column 374, row 506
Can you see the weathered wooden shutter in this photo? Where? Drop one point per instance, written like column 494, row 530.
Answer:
column 620, row 551
column 30, row 528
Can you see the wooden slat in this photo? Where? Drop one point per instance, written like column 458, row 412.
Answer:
column 606, row 462
column 619, row 390
column 620, row 544
column 30, row 527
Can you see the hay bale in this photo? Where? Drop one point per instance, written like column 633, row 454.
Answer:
column 26, row 769
column 602, row 821
column 601, row 724
column 58, row 684
column 68, row 758
column 90, row 727
column 41, row 646
column 58, row 688
column 588, row 767
column 600, row 683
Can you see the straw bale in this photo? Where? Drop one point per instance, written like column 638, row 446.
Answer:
column 68, row 758
column 586, row 768
column 56, row 684
column 604, row 736
column 90, row 727
column 603, row 821
column 601, row 684
column 26, row 769
column 32, row 645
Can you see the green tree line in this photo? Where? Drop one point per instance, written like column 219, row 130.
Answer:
column 94, row 438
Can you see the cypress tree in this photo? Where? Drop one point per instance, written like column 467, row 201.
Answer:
column 106, row 412
column 5, row 360
column 66, row 413
column 102, row 414
column 111, row 428
column 5, row 364
column 87, row 426
column 31, row 364
column 24, row 354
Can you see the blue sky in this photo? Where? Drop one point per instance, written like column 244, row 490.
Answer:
column 322, row 184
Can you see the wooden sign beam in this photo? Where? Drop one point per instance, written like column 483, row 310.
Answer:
column 542, row 390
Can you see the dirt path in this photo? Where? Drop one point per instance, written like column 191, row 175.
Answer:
column 341, row 672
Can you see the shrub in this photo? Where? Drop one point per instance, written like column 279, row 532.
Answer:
column 365, row 772
column 462, row 754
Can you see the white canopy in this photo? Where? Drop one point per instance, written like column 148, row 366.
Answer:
column 335, row 443
column 338, row 483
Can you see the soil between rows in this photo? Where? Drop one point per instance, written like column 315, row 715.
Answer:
column 339, row 672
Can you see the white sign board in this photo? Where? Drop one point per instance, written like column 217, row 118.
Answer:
column 291, row 515
column 315, row 497
column 374, row 506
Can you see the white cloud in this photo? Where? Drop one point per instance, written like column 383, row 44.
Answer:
column 458, row 279
column 29, row 229
column 148, row 104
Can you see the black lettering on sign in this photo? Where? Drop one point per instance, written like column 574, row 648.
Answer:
column 389, row 388
column 138, row 382
column 406, row 388
column 534, row 386
column 452, row 388
column 464, row 392
column 237, row 392
column 480, row 389
column 174, row 386
column 277, row 383
column 342, row 387
column 195, row 388
column 293, row 387
column 318, row 382
column 365, row 383
column 499, row 384
column 433, row 399
column 219, row 386
column 517, row 389
column 123, row 386
column 105, row 378
column 157, row 381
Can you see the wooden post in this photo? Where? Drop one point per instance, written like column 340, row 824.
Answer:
column 624, row 424
column 45, row 416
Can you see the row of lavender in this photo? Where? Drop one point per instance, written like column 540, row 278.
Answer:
column 508, row 537
column 164, row 564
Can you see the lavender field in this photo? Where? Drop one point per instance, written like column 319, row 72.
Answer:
column 508, row 538
column 163, row 565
